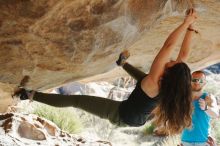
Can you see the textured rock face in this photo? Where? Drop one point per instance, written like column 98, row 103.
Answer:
column 17, row 129
column 55, row 42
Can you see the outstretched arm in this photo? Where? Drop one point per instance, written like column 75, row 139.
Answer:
column 185, row 48
column 158, row 65
column 164, row 54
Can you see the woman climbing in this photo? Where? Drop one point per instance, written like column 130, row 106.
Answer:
column 164, row 94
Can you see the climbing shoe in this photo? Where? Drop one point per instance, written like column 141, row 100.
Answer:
column 23, row 94
column 122, row 58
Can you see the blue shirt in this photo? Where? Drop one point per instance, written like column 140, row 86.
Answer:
column 200, row 125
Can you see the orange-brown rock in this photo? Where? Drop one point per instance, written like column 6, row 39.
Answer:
column 56, row 42
column 26, row 129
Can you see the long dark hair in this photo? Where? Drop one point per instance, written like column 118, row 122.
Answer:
column 174, row 110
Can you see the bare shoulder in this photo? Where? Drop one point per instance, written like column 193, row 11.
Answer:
column 150, row 87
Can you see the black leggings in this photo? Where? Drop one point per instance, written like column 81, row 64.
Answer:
column 134, row 72
column 102, row 107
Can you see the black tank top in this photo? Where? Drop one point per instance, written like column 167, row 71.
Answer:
column 137, row 108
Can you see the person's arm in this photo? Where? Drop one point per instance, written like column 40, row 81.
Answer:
column 212, row 110
column 158, row 65
column 185, row 47
column 164, row 54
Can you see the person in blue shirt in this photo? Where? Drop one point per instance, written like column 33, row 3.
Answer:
column 205, row 108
